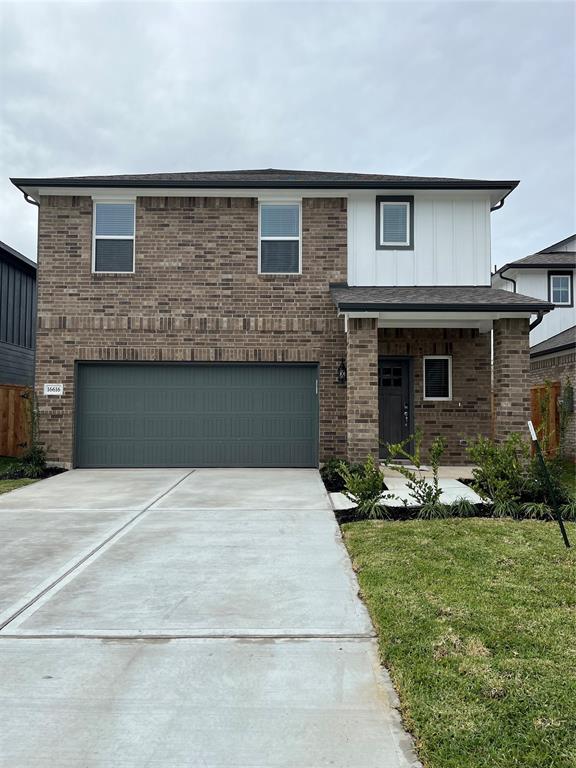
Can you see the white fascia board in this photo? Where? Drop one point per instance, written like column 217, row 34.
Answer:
column 125, row 192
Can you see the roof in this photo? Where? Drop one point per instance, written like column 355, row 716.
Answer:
column 12, row 256
column 419, row 298
column 266, row 177
column 547, row 257
column 563, row 341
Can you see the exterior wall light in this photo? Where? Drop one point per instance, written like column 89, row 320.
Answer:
column 342, row 373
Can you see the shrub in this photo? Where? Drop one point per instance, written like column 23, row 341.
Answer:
column 422, row 490
column 330, row 474
column 364, row 486
column 500, row 474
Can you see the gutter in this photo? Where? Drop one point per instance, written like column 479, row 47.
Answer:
column 390, row 307
column 554, row 350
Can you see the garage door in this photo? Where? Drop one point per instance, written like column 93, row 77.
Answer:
column 195, row 415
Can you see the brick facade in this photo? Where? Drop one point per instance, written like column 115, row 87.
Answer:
column 362, row 389
column 560, row 367
column 468, row 414
column 511, row 385
column 195, row 296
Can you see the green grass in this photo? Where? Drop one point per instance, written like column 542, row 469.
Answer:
column 11, row 485
column 477, row 624
column 569, row 476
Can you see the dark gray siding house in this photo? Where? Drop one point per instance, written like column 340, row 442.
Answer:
column 17, row 317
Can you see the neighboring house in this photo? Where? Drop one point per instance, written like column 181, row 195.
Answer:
column 549, row 274
column 17, row 317
column 271, row 318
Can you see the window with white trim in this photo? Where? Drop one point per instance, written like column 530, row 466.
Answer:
column 395, row 223
column 280, row 238
column 560, row 288
column 438, row 377
column 114, row 225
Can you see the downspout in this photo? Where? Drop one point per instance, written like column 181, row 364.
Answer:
column 539, row 318
column 508, row 279
column 30, row 199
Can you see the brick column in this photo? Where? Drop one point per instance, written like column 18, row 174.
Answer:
column 511, row 370
column 362, row 390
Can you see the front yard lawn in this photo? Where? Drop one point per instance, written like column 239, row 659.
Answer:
column 10, row 485
column 476, row 621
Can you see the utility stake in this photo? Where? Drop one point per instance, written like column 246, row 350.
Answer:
column 549, row 487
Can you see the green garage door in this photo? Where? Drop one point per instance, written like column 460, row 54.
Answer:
column 196, row 415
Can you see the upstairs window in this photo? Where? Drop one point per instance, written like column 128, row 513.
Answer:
column 438, row 378
column 560, row 289
column 395, row 223
column 280, row 238
column 114, row 237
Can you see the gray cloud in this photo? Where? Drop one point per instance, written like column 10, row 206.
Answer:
column 450, row 88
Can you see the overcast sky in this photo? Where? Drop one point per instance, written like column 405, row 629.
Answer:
column 466, row 89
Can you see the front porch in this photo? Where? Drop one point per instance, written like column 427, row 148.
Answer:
column 446, row 361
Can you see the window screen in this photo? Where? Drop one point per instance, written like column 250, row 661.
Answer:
column 114, row 237
column 279, row 238
column 437, row 384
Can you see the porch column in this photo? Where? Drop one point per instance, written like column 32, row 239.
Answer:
column 511, row 369
column 362, row 390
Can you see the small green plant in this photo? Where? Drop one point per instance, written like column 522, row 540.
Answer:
column 330, row 474
column 506, row 508
column 462, row 507
column 536, row 510
column 433, row 511
column 568, row 510
column 500, row 473
column 424, row 491
column 364, row 486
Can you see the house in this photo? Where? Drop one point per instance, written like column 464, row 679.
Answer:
column 17, row 317
column 271, row 317
column 549, row 274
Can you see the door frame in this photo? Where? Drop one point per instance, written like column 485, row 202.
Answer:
column 404, row 359
column 197, row 363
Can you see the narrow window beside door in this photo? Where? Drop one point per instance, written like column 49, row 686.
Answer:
column 438, row 378
column 280, row 238
column 113, row 249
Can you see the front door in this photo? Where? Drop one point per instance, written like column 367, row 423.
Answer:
column 395, row 400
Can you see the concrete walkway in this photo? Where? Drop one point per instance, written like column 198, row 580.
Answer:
column 186, row 618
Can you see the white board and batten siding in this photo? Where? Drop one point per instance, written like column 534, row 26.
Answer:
column 534, row 282
column 451, row 241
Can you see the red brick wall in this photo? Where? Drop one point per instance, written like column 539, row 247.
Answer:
column 468, row 414
column 195, row 295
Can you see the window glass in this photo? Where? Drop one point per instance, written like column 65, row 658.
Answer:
column 560, row 293
column 280, row 221
column 115, row 219
column 280, row 238
column 114, row 237
column 394, row 227
column 437, row 378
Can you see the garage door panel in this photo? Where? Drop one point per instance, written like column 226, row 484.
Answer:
column 196, row 415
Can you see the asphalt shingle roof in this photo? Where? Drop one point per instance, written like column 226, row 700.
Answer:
column 564, row 259
column 265, row 177
column 562, row 341
column 454, row 298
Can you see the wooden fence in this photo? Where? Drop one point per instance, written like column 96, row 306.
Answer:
column 546, row 415
column 15, row 421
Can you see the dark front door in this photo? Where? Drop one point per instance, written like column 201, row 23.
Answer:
column 395, row 400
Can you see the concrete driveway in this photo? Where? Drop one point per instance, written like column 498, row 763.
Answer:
column 186, row 618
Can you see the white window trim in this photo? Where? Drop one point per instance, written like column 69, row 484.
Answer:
column 262, row 202
column 561, row 303
column 406, row 205
column 112, row 201
column 437, row 357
